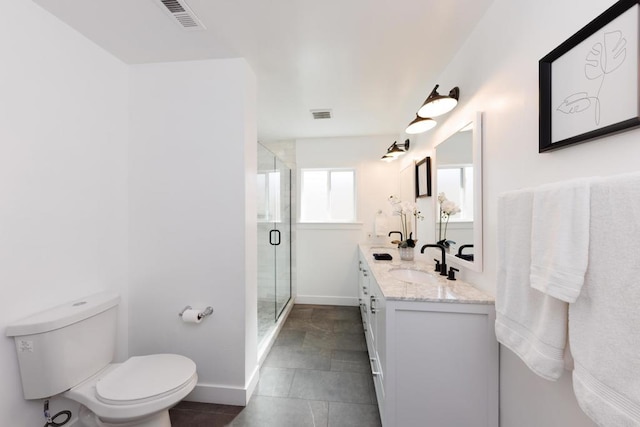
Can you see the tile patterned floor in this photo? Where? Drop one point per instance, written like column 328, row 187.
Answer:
column 317, row 374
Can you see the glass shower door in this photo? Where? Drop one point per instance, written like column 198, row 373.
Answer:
column 274, row 239
column 266, row 252
column 282, row 228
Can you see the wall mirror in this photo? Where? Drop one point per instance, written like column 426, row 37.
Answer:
column 423, row 178
column 459, row 176
column 408, row 192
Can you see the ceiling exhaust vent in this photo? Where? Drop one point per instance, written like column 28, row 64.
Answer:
column 181, row 14
column 321, row 114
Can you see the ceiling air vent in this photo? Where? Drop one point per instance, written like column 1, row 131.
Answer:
column 181, row 14
column 321, row 114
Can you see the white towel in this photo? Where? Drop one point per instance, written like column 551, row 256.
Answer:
column 604, row 323
column 560, row 238
column 533, row 325
column 381, row 225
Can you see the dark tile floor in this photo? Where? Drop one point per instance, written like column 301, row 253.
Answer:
column 317, row 374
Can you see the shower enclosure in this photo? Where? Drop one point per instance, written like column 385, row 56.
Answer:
column 274, row 241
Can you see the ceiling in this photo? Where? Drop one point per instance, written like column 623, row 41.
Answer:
column 372, row 62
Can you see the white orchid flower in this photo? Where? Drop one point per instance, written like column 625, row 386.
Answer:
column 408, row 207
column 449, row 207
column 404, row 209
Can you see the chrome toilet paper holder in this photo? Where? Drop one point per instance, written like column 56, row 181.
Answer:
column 207, row 312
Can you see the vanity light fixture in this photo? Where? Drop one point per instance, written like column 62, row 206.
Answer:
column 436, row 105
column 394, row 151
column 420, row 125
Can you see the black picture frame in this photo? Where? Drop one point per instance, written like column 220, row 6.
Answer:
column 423, row 178
column 574, row 108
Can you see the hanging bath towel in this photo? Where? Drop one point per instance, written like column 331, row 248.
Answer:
column 530, row 323
column 604, row 322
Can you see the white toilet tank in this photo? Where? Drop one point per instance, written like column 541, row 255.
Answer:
column 61, row 347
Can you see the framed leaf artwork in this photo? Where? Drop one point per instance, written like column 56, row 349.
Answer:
column 589, row 84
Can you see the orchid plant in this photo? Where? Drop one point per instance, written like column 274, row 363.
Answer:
column 447, row 208
column 405, row 210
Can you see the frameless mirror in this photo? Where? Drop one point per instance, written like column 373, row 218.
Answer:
column 459, row 177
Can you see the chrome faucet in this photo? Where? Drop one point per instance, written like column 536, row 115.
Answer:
column 443, row 263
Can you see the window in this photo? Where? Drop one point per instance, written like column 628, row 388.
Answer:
column 328, row 195
column 456, row 182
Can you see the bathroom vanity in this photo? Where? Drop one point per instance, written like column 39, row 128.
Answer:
column 431, row 343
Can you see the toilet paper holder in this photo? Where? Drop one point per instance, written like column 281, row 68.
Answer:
column 207, row 312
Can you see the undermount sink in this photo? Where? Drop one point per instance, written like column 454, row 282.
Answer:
column 413, row 276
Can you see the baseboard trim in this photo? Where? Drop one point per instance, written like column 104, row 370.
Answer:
column 225, row 395
column 252, row 383
column 324, row 300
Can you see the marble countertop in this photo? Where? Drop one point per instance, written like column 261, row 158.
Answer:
column 442, row 290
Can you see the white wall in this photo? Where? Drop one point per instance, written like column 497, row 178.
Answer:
column 192, row 207
column 497, row 72
column 63, row 135
column 327, row 253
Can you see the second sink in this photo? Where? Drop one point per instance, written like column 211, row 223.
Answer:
column 413, row 276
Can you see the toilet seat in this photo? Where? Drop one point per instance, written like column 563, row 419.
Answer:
column 152, row 392
column 144, row 378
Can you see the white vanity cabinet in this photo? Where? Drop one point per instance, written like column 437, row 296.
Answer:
column 373, row 311
column 377, row 339
column 363, row 294
column 433, row 352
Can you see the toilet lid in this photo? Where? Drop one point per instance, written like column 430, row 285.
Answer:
column 145, row 377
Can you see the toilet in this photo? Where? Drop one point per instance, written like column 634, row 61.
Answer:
column 68, row 351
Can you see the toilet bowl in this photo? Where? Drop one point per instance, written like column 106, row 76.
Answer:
column 68, row 350
column 138, row 392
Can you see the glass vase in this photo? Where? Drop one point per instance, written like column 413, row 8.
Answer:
column 406, row 254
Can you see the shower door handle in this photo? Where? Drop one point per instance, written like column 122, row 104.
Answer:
column 273, row 242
